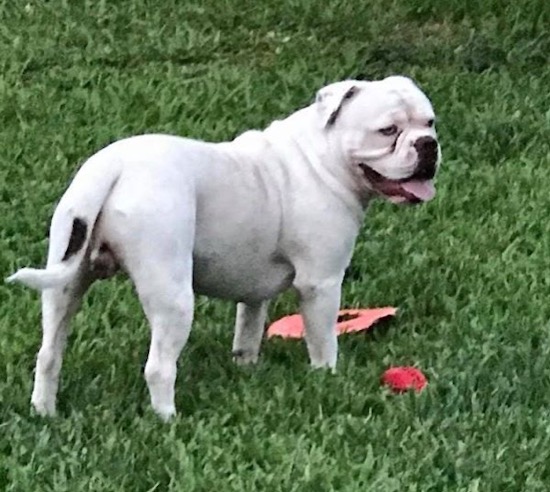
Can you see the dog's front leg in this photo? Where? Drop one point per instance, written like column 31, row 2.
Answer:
column 320, row 302
column 249, row 329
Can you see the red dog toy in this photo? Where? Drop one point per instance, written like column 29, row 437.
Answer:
column 349, row 320
column 401, row 379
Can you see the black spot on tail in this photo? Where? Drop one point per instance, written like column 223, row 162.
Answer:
column 78, row 238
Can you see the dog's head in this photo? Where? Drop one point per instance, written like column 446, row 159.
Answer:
column 385, row 131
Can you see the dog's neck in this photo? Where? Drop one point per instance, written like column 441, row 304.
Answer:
column 303, row 131
column 300, row 139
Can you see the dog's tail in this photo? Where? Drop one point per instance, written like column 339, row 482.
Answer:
column 73, row 222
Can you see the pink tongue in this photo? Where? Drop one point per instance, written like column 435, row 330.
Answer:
column 423, row 190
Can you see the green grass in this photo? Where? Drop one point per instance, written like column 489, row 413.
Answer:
column 470, row 272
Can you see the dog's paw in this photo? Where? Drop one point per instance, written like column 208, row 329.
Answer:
column 45, row 407
column 165, row 413
column 329, row 366
column 244, row 357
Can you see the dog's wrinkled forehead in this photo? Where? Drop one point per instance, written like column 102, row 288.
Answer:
column 410, row 95
column 375, row 98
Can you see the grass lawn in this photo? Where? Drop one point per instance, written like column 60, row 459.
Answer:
column 470, row 271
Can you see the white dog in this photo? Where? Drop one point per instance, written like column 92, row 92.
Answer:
column 241, row 220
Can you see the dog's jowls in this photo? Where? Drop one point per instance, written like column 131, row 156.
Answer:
column 241, row 220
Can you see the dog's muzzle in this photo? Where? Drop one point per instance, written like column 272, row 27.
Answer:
column 416, row 188
column 427, row 150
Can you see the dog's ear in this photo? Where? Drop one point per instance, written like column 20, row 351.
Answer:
column 331, row 98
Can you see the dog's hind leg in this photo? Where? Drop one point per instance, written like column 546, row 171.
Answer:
column 156, row 249
column 249, row 330
column 166, row 294
column 59, row 305
column 150, row 223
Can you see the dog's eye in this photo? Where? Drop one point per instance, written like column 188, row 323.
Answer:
column 430, row 123
column 388, row 131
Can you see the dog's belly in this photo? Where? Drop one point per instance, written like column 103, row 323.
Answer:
column 246, row 278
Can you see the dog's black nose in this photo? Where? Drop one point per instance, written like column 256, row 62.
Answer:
column 426, row 148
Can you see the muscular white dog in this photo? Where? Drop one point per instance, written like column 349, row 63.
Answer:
column 241, row 220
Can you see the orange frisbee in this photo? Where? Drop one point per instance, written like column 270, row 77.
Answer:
column 349, row 320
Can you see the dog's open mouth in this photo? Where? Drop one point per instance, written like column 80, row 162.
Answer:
column 400, row 191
